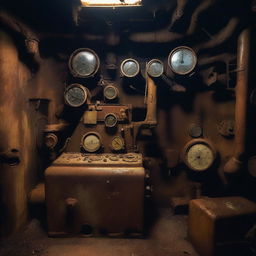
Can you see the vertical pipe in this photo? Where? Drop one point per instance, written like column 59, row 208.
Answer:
column 234, row 164
column 151, row 102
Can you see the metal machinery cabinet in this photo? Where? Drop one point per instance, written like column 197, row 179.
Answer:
column 216, row 226
column 101, row 194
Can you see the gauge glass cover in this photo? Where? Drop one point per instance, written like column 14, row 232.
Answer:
column 110, row 92
column 200, row 157
column 110, row 120
column 130, row 68
column 84, row 63
column 117, row 143
column 182, row 60
column 91, row 142
column 75, row 95
column 155, row 68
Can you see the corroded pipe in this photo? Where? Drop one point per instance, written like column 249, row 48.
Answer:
column 161, row 36
column 151, row 118
column 225, row 57
column 234, row 164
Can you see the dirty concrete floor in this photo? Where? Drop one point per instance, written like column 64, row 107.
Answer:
column 167, row 238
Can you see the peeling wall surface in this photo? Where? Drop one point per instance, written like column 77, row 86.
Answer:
column 189, row 126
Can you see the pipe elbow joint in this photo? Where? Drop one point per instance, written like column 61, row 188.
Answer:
column 232, row 166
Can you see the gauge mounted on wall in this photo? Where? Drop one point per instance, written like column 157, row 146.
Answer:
column 117, row 143
column 110, row 120
column 75, row 95
column 91, row 142
column 110, row 92
column 84, row 63
column 199, row 155
column 155, row 68
column 130, row 68
column 182, row 60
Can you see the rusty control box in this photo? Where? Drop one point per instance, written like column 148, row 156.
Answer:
column 218, row 226
column 96, row 194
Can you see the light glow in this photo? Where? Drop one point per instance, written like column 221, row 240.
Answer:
column 102, row 3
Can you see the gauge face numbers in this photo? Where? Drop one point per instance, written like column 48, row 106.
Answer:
column 199, row 157
column 84, row 63
column 75, row 95
column 155, row 68
column 110, row 92
column 130, row 68
column 91, row 142
column 182, row 60
column 110, row 120
column 117, row 144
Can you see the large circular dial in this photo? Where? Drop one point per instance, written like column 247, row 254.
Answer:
column 75, row 95
column 155, row 68
column 199, row 155
column 182, row 60
column 91, row 142
column 130, row 68
column 84, row 63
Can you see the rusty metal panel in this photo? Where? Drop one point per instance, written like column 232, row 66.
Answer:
column 99, row 194
column 215, row 225
column 121, row 111
column 90, row 117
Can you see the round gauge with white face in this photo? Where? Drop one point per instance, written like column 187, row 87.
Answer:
column 199, row 155
column 91, row 142
column 130, row 68
column 155, row 68
column 84, row 63
column 75, row 95
column 117, row 144
column 110, row 120
column 182, row 60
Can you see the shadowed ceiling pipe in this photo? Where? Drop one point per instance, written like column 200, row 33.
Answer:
column 234, row 164
column 220, row 37
column 179, row 11
column 30, row 39
column 194, row 18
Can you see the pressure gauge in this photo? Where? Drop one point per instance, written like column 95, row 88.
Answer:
column 155, row 68
column 117, row 144
column 182, row 60
column 199, row 155
column 130, row 68
column 110, row 120
column 84, row 63
column 110, row 92
column 75, row 95
column 91, row 142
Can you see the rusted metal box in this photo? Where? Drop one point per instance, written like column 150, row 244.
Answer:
column 99, row 194
column 216, row 226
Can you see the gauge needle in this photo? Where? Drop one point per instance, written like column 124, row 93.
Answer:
column 182, row 57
